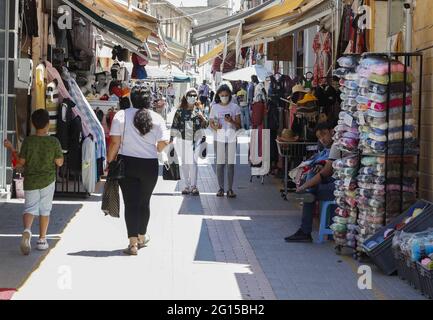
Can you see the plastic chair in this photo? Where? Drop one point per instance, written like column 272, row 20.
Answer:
column 325, row 217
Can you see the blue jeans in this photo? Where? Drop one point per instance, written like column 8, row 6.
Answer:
column 245, row 117
column 322, row 192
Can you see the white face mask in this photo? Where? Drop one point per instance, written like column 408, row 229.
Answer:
column 191, row 100
column 225, row 100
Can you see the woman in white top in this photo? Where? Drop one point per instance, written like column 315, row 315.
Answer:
column 225, row 119
column 144, row 134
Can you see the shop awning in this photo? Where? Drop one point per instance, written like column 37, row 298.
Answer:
column 307, row 13
column 135, row 20
column 283, row 8
column 131, row 38
column 218, row 28
column 211, row 54
column 177, row 74
column 156, row 73
column 245, row 74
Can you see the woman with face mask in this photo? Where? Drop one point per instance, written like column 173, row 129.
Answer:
column 225, row 119
column 188, row 126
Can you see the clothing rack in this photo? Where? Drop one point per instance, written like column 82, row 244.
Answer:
column 69, row 184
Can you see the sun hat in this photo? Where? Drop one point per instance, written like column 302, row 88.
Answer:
column 298, row 88
column 309, row 97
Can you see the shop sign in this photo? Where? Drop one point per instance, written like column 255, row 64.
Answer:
column 65, row 20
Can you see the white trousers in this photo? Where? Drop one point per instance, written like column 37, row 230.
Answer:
column 189, row 167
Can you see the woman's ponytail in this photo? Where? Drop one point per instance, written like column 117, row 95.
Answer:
column 143, row 121
column 140, row 99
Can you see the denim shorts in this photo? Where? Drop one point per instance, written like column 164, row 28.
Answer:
column 39, row 202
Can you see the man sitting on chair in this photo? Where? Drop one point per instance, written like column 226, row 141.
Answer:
column 318, row 186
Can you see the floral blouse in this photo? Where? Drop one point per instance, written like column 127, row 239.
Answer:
column 188, row 122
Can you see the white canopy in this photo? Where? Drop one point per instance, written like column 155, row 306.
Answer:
column 245, row 74
column 155, row 72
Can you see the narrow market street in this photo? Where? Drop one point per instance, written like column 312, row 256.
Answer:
column 201, row 248
column 302, row 166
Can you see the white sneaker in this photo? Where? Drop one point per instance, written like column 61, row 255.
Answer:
column 42, row 244
column 25, row 245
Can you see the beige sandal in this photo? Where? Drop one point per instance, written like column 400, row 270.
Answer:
column 132, row 250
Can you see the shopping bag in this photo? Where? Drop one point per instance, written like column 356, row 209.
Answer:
column 203, row 148
column 18, row 187
column 171, row 171
column 110, row 199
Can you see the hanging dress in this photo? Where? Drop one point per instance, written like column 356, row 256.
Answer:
column 322, row 48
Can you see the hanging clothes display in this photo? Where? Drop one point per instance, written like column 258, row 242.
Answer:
column 53, row 74
column 138, row 69
column 345, row 29
column 40, row 86
column 30, row 25
column 65, row 115
column 89, row 116
column 322, row 45
column 89, row 164
column 52, row 105
column 352, row 39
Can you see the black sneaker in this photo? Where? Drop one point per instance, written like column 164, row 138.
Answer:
column 299, row 236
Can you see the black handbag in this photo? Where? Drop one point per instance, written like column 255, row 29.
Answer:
column 203, row 145
column 116, row 168
column 170, row 171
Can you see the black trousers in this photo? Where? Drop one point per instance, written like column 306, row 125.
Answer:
column 137, row 187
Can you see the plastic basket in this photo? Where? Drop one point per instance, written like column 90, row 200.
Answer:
column 382, row 254
column 296, row 150
column 407, row 269
column 426, row 279
column 400, row 264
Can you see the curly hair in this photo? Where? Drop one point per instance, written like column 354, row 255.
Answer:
column 140, row 98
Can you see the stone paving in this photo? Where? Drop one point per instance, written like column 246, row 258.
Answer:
column 202, row 248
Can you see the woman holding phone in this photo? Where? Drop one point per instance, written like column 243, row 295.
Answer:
column 189, row 122
column 225, row 120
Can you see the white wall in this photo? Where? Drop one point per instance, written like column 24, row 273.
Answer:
column 380, row 27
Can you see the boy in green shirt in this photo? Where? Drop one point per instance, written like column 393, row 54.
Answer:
column 40, row 154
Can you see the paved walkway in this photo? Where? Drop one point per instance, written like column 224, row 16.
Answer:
column 201, row 248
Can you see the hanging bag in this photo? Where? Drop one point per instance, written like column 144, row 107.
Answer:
column 171, row 171
column 116, row 171
column 110, row 199
column 203, row 148
column 116, row 168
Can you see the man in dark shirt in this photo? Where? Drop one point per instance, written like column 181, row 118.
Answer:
column 319, row 186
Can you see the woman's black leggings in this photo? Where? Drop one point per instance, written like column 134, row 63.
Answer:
column 137, row 187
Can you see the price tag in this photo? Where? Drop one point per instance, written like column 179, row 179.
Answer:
column 361, row 118
column 348, row 120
